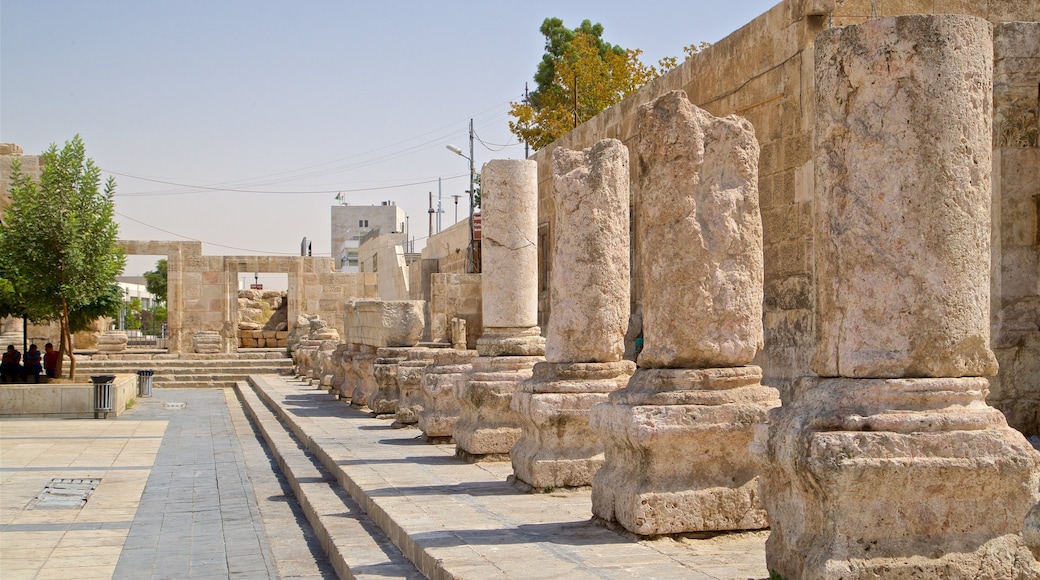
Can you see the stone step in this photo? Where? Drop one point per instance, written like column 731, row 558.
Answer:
column 455, row 519
column 356, row 546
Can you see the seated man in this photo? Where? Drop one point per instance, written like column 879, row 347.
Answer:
column 33, row 364
column 50, row 360
column 10, row 369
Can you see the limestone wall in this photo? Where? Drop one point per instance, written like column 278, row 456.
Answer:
column 455, row 296
column 763, row 72
column 383, row 323
column 1015, row 299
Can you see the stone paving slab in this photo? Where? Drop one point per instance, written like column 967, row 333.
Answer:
column 461, row 520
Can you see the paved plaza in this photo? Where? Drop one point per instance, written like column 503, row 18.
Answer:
column 185, row 491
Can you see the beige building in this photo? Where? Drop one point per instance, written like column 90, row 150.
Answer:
column 350, row 223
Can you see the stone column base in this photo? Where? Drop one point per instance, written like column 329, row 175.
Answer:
column 557, row 448
column 440, row 409
column 487, row 428
column 361, row 368
column 677, row 458
column 409, row 386
column 896, row 478
column 384, row 400
column 511, row 342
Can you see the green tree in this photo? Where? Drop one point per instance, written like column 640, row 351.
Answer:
column 58, row 241
column 155, row 281
column 133, row 314
column 579, row 76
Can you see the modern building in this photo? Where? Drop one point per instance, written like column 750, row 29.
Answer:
column 350, row 223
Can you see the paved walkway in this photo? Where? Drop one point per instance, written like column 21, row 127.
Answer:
column 464, row 520
column 183, row 490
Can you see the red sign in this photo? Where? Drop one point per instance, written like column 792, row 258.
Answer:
column 256, row 286
column 476, row 226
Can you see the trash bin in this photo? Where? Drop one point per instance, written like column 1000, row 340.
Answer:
column 103, row 399
column 144, row 382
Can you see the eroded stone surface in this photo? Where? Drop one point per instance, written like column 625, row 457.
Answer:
column 409, row 385
column 700, row 236
column 676, row 443
column 487, row 426
column 384, row 370
column 955, row 480
column 440, row 408
column 590, row 294
column 362, row 368
column 903, row 164
column 557, row 447
column 381, row 323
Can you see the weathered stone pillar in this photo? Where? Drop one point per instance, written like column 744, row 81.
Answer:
column 384, row 400
column 890, row 463
column 676, row 437
column 440, row 408
column 409, row 385
column 590, row 302
column 512, row 343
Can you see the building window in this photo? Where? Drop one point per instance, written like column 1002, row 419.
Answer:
column 362, row 223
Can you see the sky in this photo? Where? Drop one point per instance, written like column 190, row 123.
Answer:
column 237, row 122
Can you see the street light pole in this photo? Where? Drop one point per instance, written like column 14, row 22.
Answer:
column 472, row 192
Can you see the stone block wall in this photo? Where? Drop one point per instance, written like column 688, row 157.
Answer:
column 1015, row 266
column 764, row 73
column 455, row 296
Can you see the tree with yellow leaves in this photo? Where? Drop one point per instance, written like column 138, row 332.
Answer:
column 580, row 76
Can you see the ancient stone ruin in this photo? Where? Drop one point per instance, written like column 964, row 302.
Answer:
column 890, row 463
column 511, row 343
column 585, row 339
column 676, row 437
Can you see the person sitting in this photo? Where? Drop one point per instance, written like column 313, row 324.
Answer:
column 50, row 360
column 33, row 364
column 10, row 369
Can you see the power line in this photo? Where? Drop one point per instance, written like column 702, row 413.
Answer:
column 203, row 188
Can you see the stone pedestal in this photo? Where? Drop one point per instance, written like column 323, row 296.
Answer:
column 896, row 478
column 409, row 386
column 116, row 340
column 440, row 409
column 487, row 427
column 384, row 368
column 362, row 368
column 557, row 447
column 677, row 455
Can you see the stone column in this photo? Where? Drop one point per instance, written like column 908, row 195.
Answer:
column 590, row 302
column 362, row 369
column 409, row 385
column 890, row 463
column 676, row 437
column 440, row 408
column 511, row 343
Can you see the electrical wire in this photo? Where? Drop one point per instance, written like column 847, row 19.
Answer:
column 205, row 188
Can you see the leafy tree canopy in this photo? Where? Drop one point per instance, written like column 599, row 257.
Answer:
column 579, row 76
column 155, row 281
column 58, row 240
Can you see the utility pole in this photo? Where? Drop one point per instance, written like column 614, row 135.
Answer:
column 430, row 211
column 439, row 209
column 527, row 101
column 456, row 208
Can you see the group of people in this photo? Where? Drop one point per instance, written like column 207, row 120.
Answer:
column 12, row 369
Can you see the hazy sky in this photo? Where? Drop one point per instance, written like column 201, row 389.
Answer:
column 237, row 122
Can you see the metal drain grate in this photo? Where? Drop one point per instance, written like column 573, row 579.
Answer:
column 68, row 493
column 174, row 405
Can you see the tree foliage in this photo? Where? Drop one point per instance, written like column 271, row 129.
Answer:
column 58, row 241
column 155, row 281
column 580, row 75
